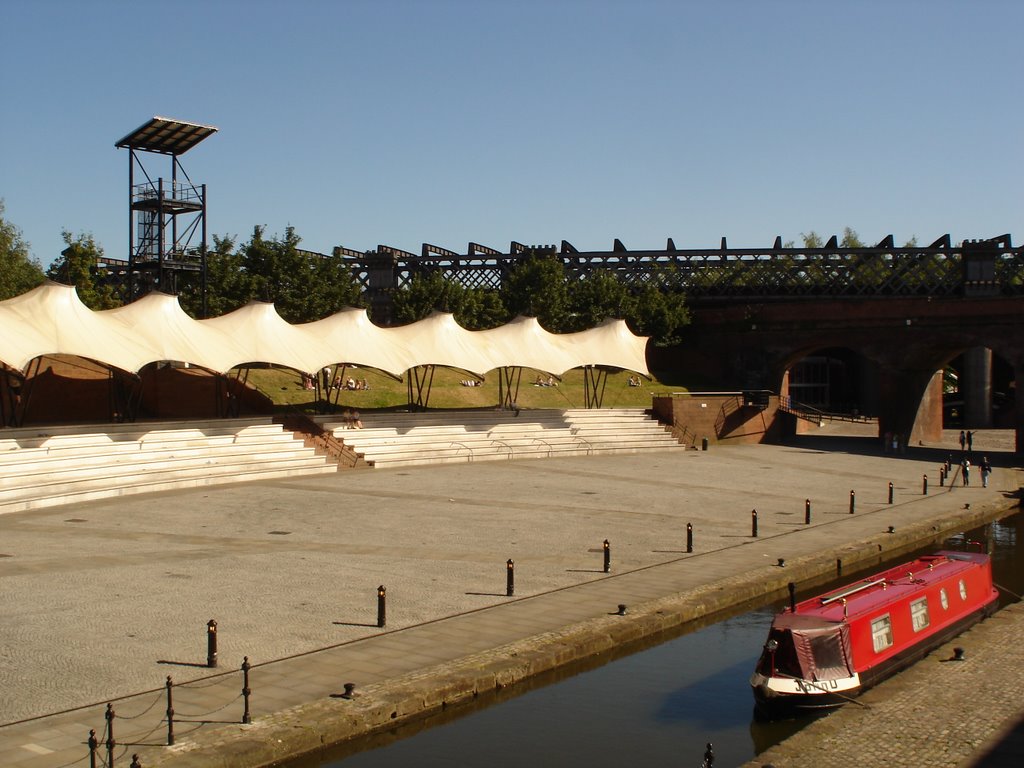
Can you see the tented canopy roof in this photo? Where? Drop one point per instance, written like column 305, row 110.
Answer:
column 52, row 320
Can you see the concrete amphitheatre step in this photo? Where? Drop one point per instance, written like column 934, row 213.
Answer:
column 404, row 439
column 53, row 465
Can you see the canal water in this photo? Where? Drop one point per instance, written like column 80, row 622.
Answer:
column 658, row 706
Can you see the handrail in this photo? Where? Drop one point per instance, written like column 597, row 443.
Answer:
column 542, row 440
column 852, row 591
column 463, row 445
column 511, row 450
column 587, row 443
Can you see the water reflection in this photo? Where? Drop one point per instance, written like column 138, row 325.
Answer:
column 656, row 707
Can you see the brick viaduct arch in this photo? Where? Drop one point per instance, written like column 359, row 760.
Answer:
column 910, row 340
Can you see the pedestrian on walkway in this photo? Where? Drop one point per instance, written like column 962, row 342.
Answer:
column 986, row 470
column 967, row 472
column 963, row 439
column 970, row 440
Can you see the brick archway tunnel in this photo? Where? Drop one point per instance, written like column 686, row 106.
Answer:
column 910, row 340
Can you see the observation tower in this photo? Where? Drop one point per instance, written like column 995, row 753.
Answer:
column 166, row 218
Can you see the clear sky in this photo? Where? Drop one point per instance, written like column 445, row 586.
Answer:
column 399, row 122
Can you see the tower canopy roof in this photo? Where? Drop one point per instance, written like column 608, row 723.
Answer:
column 166, row 136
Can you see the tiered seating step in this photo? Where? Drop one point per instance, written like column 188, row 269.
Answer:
column 48, row 466
column 404, row 439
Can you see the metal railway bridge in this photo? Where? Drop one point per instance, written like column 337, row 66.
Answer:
column 905, row 312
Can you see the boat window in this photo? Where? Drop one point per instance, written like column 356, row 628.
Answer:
column 963, row 590
column 919, row 614
column 881, row 632
column 944, row 599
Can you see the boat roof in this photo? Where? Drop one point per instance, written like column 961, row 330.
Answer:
column 884, row 588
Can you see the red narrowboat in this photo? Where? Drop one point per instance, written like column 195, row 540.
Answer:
column 823, row 651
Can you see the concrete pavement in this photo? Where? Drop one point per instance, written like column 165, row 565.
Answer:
column 96, row 596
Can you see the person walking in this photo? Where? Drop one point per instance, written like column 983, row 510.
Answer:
column 967, row 472
column 986, row 470
column 963, row 439
column 970, row 441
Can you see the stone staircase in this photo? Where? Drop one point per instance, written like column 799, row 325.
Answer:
column 408, row 439
column 51, row 465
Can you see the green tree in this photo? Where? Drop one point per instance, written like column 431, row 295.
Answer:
column 482, row 309
column 595, row 298
column 537, row 288
column 851, row 239
column 227, row 283
column 304, row 287
column 474, row 308
column 812, row 239
column 426, row 293
column 77, row 266
column 19, row 272
column 659, row 314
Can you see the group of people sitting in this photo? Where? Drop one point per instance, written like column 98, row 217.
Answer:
column 471, row 383
column 309, row 381
column 634, row 381
column 350, row 383
column 542, row 382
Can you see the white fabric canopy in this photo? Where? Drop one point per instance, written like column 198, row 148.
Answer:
column 158, row 320
column 350, row 337
column 265, row 337
column 52, row 320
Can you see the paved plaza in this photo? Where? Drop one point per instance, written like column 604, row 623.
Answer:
column 106, row 599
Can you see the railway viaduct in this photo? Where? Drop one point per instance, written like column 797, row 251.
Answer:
column 906, row 311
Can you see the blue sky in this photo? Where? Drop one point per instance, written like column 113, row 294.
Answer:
column 448, row 121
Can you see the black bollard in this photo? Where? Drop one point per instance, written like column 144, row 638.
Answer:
column 111, row 742
column 350, row 691
column 510, row 578
column 246, row 691
column 890, row 495
column 807, row 511
column 924, row 485
column 689, row 537
column 942, row 475
column 607, row 556
column 949, row 463
column 211, row 643
column 753, row 523
column 382, row 608
column 94, row 744
column 170, row 713
column 853, row 501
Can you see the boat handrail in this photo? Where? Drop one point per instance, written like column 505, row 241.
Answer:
column 851, row 591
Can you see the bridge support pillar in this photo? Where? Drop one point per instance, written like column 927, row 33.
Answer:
column 976, row 387
column 1018, row 372
column 911, row 405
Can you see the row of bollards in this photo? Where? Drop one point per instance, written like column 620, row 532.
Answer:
column 110, row 715
column 110, row 743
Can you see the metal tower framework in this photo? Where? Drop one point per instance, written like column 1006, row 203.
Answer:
column 166, row 218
